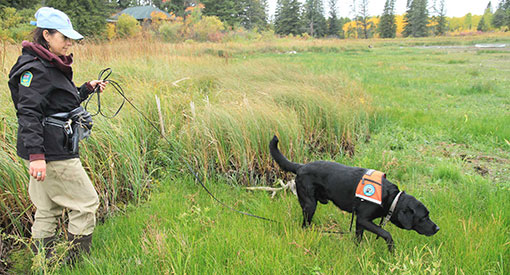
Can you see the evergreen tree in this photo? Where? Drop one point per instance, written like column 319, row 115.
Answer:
column 253, row 14
column 365, row 26
column 387, row 24
column 313, row 18
column 502, row 15
column 334, row 27
column 122, row 4
column 416, row 19
column 488, row 8
column 288, row 17
column 499, row 18
column 488, row 15
column 482, row 26
column 88, row 16
column 408, row 24
column 226, row 10
column 440, row 18
column 20, row 4
column 246, row 13
column 177, row 7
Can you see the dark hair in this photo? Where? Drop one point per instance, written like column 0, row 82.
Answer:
column 38, row 36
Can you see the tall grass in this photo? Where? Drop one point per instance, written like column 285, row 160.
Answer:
column 220, row 120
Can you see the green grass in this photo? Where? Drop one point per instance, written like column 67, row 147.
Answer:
column 434, row 120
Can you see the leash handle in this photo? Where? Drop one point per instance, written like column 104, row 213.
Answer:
column 103, row 76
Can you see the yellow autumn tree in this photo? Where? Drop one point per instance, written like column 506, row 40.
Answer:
column 353, row 29
column 399, row 20
column 158, row 17
column 465, row 23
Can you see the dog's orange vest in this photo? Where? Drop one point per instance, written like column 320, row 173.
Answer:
column 370, row 186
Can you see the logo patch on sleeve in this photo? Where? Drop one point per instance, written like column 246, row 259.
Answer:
column 26, row 79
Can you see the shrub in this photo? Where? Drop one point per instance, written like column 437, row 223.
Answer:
column 242, row 34
column 21, row 32
column 172, row 31
column 110, row 31
column 9, row 18
column 208, row 29
column 127, row 26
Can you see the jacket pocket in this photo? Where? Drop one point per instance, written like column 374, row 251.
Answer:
column 55, row 141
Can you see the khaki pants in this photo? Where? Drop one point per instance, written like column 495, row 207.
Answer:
column 66, row 186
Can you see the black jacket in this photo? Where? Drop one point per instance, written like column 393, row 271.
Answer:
column 50, row 91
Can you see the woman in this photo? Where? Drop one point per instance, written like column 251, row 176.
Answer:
column 41, row 88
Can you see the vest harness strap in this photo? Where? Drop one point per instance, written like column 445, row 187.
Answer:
column 370, row 188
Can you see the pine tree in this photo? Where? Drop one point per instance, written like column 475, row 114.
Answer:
column 88, row 16
column 440, row 18
column 482, row 27
column 364, row 27
column 288, row 17
column 245, row 13
column 226, row 10
column 416, row 19
column 334, row 27
column 387, row 24
column 487, row 14
column 408, row 23
column 313, row 18
column 502, row 15
column 253, row 14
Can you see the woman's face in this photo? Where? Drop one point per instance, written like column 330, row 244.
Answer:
column 57, row 42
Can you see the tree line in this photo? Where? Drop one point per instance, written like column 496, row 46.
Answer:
column 292, row 17
column 422, row 18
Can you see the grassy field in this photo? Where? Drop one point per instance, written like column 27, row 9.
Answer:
column 435, row 120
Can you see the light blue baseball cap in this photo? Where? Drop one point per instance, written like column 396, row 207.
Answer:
column 50, row 18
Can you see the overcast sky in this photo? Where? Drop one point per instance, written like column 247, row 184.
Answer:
column 454, row 8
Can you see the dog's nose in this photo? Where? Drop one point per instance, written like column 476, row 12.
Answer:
column 436, row 229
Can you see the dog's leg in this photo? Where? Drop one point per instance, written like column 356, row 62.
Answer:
column 359, row 232
column 308, row 205
column 306, row 199
column 370, row 226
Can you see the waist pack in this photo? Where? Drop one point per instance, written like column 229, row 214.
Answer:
column 76, row 125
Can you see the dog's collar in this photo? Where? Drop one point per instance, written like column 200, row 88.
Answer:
column 390, row 212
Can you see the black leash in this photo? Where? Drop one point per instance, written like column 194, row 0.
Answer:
column 104, row 75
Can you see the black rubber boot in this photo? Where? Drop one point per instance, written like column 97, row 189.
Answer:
column 46, row 245
column 79, row 244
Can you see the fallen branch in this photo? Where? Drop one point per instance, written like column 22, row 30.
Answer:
column 290, row 185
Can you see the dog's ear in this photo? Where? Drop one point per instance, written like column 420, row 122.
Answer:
column 405, row 217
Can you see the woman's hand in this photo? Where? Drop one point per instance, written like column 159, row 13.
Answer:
column 37, row 169
column 101, row 83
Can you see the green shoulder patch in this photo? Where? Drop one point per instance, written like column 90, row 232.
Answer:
column 26, row 79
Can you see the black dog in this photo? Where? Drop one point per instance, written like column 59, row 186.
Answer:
column 325, row 181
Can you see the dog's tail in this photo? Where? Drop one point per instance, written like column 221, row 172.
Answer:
column 282, row 161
